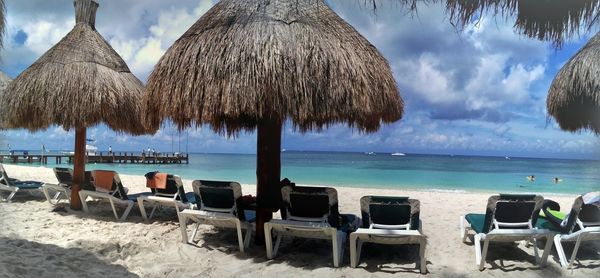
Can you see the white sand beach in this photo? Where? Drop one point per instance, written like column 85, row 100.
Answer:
column 38, row 240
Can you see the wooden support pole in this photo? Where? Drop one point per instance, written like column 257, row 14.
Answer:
column 78, row 168
column 268, row 173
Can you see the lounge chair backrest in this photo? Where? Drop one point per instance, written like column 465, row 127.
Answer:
column 4, row 179
column 219, row 196
column 589, row 216
column 109, row 182
column 390, row 212
column 64, row 175
column 174, row 187
column 307, row 203
column 572, row 219
column 88, row 181
column 512, row 211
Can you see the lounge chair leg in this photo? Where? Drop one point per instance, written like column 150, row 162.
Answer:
column 142, row 209
column 248, row 236
column 183, row 227
column 195, row 231
column 336, row 248
column 268, row 241
column 354, row 250
column 359, row 250
column 112, row 205
column 574, row 255
column 422, row 260
column 11, row 195
column 56, row 198
column 342, row 242
column 560, row 250
column 486, row 244
column 47, row 195
column 277, row 244
column 536, row 252
column 83, row 197
column 127, row 211
column 240, row 235
column 152, row 212
column 546, row 252
column 463, row 233
column 477, row 243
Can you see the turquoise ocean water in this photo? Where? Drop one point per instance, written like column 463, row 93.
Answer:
column 413, row 171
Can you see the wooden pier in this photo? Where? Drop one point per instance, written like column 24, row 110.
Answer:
column 107, row 157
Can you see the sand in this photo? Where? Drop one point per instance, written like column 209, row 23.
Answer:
column 40, row 240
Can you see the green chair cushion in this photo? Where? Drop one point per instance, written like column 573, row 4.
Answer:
column 557, row 214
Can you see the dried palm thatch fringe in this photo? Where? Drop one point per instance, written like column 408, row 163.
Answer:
column 574, row 96
column 549, row 20
column 250, row 60
column 79, row 82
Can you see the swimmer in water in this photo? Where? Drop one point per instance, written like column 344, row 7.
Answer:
column 556, row 180
column 531, row 178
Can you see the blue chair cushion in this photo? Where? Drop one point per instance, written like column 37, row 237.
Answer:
column 28, row 184
column 476, row 220
column 191, row 198
column 250, row 215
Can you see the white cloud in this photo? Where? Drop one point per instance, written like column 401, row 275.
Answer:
column 42, row 35
column 143, row 53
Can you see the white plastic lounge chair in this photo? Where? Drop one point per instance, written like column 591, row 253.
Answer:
column 62, row 190
column 311, row 212
column 12, row 186
column 172, row 195
column 508, row 218
column 389, row 220
column 109, row 188
column 580, row 225
column 219, row 203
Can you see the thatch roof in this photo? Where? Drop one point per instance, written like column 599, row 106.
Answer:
column 574, row 96
column 550, row 20
column 80, row 82
column 249, row 60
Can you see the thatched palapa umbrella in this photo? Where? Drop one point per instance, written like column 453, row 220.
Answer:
column 549, row 20
column 80, row 82
column 250, row 64
column 574, row 96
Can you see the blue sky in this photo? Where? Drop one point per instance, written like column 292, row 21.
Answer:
column 481, row 91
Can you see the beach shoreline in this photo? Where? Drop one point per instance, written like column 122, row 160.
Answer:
column 41, row 239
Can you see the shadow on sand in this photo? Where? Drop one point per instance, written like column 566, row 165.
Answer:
column 22, row 258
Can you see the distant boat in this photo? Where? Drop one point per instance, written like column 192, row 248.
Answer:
column 370, row 153
column 507, row 158
column 399, row 154
column 90, row 148
column 283, row 150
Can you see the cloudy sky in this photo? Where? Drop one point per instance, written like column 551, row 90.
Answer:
column 481, row 91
